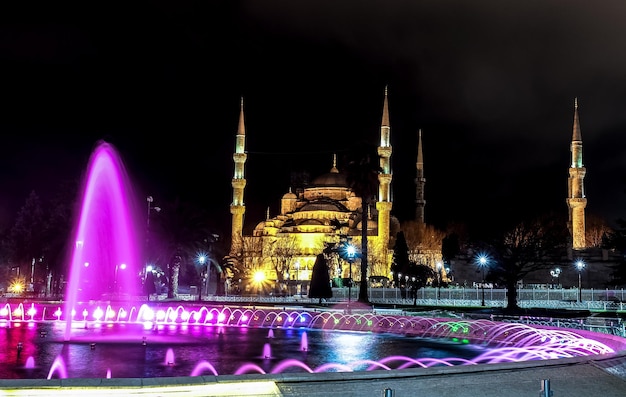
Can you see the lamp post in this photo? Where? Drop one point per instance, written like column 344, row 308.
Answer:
column 350, row 254
column 555, row 275
column 580, row 265
column 298, row 291
column 149, row 200
column 120, row 266
column 202, row 259
column 482, row 262
column 439, row 265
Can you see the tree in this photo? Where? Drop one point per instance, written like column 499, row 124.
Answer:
column 616, row 240
column 246, row 258
column 377, row 260
column 419, row 275
column 180, row 228
column 596, row 228
column 400, row 263
column 530, row 246
column 408, row 275
column 28, row 236
column 362, row 170
column 320, row 279
column 58, row 232
column 420, row 236
column 281, row 254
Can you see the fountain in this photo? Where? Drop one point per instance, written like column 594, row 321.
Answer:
column 104, row 333
column 105, row 262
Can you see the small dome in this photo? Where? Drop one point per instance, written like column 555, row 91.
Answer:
column 290, row 195
column 333, row 178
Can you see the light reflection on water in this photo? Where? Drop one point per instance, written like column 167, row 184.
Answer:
column 120, row 349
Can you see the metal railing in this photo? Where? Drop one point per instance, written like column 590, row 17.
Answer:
column 592, row 299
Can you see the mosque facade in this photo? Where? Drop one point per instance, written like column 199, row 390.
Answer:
column 325, row 212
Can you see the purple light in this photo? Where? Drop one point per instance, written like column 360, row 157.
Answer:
column 105, row 235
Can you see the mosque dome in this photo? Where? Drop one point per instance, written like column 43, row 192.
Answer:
column 334, row 178
column 324, row 205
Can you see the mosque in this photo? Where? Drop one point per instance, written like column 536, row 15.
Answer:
column 282, row 249
column 324, row 212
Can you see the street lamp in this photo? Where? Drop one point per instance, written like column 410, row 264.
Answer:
column 555, row 273
column 482, row 263
column 580, row 265
column 350, row 255
column 202, row 259
column 120, row 266
column 149, row 200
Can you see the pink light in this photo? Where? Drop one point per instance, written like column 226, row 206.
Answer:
column 148, row 314
column 160, row 315
column 98, row 313
column 31, row 311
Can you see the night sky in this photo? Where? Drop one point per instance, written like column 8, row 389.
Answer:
column 491, row 84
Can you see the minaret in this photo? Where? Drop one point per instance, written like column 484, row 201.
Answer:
column 420, row 182
column 237, row 207
column 384, row 203
column 576, row 200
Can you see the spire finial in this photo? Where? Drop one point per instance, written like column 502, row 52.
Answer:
column 242, row 127
column 576, row 135
column 420, row 156
column 334, row 169
column 385, row 122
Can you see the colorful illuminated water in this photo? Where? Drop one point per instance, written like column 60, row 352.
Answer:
column 105, row 261
column 104, row 331
column 161, row 341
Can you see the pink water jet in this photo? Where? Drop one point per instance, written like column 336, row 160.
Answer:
column 169, row 357
column 267, row 351
column 105, row 261
column 304, row 342
column 58, row 367
column 30, row 363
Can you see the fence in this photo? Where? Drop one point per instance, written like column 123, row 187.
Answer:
column 592, row 299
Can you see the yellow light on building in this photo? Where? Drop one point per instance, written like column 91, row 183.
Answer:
column 259, row 276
